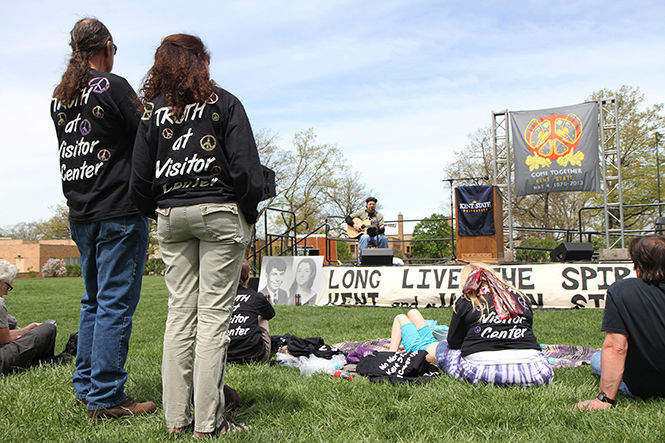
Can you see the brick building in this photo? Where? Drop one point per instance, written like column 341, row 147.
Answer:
column 32, row 255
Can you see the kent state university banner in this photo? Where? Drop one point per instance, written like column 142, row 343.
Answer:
column 556, row 149
column 475, row 210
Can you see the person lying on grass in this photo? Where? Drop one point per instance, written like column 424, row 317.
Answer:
column 490, row 339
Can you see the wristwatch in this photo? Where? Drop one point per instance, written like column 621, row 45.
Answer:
column 605, row 399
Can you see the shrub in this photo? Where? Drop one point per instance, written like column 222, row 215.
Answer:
column 73, row 270
column 54, row 267
column 154, row 266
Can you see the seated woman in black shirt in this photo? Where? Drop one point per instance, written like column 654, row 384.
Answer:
column 491, row 339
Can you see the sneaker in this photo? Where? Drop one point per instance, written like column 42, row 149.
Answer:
column 126, row 408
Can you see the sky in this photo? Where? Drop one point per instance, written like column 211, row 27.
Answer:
column 398, row 86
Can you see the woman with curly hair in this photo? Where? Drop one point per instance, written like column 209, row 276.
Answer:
column 96, row 115
column 196, row 166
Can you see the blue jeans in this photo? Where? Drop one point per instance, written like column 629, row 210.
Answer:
column 112, row 258
column 595, row 367
column 365, row 241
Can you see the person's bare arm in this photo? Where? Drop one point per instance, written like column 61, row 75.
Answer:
column 613, row 360
column 17, row 333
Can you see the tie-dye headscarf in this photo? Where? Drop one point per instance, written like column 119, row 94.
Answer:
column 505, row 301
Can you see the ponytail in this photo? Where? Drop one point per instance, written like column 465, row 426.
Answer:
column 88, row 36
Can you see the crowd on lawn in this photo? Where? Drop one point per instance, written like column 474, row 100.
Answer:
column 187, row 157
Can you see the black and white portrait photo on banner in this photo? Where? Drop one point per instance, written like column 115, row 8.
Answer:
column 292, row 280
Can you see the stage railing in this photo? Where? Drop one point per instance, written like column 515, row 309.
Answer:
column 629, row 232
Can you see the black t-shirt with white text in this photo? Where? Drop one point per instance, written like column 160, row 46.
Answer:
column 95, row 141
column 244, row 330
column 473, row 330
column 637, row 309
column 207, row 155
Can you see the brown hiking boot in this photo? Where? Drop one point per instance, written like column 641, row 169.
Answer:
column 126, row 408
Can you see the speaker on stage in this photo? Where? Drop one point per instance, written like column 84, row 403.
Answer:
column 569, row 251
column 376, row 257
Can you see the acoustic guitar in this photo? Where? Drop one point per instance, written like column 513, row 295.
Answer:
column 353, row 232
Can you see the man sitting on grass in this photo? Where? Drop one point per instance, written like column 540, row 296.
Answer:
column 632, row 359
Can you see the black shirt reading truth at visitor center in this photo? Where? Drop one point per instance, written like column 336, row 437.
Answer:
column 95, row 142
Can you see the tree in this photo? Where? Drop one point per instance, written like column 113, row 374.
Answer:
column 314, row 181
column 56, row 227
column 437, row 229
column 638, row 124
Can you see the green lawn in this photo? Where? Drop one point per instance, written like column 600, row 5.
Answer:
column 38, row 405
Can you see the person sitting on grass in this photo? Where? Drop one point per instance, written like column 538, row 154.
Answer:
column 490, row 339
column 249, row 330
column 28, row 346
column 632, row 359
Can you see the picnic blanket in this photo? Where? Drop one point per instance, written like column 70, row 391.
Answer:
column 565, row 356
column 559, row 356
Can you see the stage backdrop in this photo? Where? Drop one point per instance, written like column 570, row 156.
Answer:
column 556, row 149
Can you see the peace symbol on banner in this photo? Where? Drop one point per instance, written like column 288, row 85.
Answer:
column 553, row 138
column 99, row 84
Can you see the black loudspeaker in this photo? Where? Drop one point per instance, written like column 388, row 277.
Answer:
column 568, row 251
column 376, row 257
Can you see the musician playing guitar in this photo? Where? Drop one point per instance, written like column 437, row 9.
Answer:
column 367, row 225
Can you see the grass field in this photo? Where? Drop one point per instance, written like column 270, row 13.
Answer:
column 38, row 405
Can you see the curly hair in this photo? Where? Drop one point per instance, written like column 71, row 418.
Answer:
column 88, row 37
column 181, row 73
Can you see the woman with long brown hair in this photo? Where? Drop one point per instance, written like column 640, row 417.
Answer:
column 196, row 165
column 96, row 115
